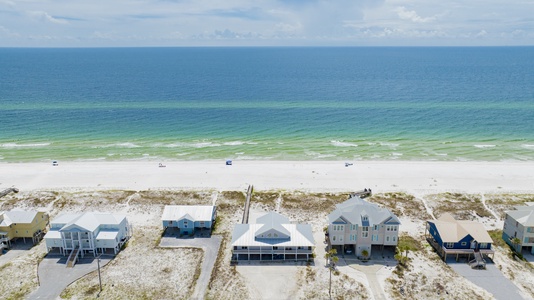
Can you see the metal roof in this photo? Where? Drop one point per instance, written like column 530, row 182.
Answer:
column 53, row 234
column 190, row 212
column 88, row 221
column 272, row 221
column 452, row 230
column 298, row 234
column 356, row 209
column 523, row 215
column 17, row 216
column 107, row 235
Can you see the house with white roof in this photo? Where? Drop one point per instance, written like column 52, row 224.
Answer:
column 189, row 218
column 24, row 224
column 273, row 237
column 519, row 223
column 88, row 232
column 356, row 226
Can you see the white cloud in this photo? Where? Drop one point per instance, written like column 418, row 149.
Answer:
column 412, row 15
column 8, row 33
column 44, row 16
column 481, row 33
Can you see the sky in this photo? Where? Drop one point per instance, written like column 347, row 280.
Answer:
column 147, row 23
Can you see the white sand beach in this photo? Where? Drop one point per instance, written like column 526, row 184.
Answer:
column 313, row 176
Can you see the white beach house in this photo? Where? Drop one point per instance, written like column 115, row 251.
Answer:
column 189, row 218
column 357, row 225
column 519, row 223
column 88, row 232
column 273, row 237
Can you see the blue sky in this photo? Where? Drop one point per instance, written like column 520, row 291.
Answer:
column 116, row 23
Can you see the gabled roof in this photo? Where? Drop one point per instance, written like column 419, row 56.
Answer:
column 453, row 231
column 88, row 221
column 17, row 216
column 190, row 212
column 272, row 221
column 523, row 214
column 354, row 209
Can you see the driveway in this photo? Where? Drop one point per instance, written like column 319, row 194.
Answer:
column 18, row 248
column 54, row 276
column 372, row 269
column 210, row 245
column 491, row 279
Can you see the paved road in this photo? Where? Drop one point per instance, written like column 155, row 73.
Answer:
column 54, row 275
column 210, row 245
column 491, row 279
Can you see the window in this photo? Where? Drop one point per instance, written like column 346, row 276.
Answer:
column 375, row 227
column 244, row 247
column 309, row 247
column 341, row 238
column 394, row 238
column 464, row 243
column 275, row 248
column 275, row 235
column 375, row 237
column 365, row 218
column 449, row 245
column 353, row 227
column 387, row 238
column 365, row 234
column 334, row 238
column 483, row 245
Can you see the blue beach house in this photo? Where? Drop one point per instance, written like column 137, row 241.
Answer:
column 458, row 237
column 189, row 219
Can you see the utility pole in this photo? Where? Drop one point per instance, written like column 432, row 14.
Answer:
column 99, row 278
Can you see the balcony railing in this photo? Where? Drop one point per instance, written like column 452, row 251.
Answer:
column 249, row 251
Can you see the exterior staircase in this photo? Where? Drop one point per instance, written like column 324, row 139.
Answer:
column 73, row 257
column 478, row 262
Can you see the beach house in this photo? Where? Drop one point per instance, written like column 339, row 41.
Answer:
column 357, row 226
column 23, row 224
column 518, row 229
column 88, row 232
column 189, row 218
column 458, row 237
column 272, row 237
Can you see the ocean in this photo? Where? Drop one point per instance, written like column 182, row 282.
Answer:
column 384, row 103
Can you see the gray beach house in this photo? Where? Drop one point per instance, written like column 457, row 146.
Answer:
column 357, row 226
column 518, row 229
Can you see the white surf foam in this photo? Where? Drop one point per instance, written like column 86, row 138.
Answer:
column 343, row 144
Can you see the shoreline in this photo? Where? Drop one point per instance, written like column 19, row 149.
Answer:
column 416, row 177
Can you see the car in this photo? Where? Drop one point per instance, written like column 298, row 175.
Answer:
column 55, row 163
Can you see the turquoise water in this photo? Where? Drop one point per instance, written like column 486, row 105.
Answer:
column 267, row 103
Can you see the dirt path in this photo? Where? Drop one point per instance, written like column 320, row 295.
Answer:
column 483, row 200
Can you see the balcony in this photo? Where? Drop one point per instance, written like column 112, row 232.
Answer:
column 270, row 251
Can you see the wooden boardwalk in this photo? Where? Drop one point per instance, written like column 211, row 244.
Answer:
column 247, row 204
